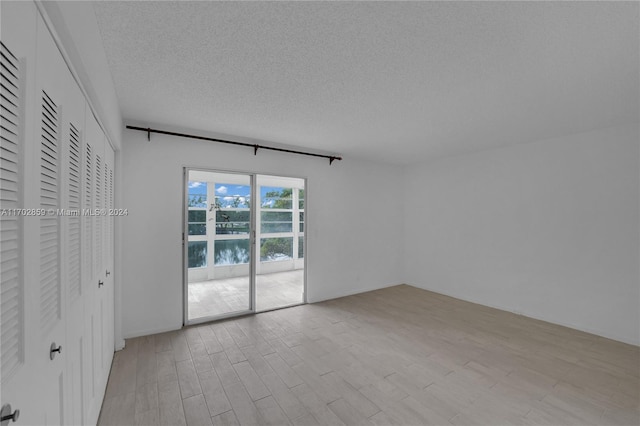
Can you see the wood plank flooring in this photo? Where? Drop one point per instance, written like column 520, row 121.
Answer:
column 396, row 356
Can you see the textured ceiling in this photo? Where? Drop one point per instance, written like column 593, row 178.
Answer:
column 388, row 81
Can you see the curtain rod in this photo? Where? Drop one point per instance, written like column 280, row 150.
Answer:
column 254, row 146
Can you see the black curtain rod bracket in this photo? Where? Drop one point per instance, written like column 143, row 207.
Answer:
column 255, row 147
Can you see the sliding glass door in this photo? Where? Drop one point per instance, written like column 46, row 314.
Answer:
column 240, row 256
column 219, row 240
column 280, row 233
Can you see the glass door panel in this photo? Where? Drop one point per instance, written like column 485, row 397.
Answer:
column 280, row 249
column 219, row 251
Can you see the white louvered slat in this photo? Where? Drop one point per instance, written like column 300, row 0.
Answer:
column 74, row 184
column 88, row 200
column 11, row 279
column 98, row 218
column 106, row 219
column 49, row 224
column 111, row 219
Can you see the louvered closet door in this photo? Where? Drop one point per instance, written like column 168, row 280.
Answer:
column 108, row 244
column 53, row 166
column 103, row 302
column 51, row 261
column 20, row 331
column 77, row 365
column 93, row 275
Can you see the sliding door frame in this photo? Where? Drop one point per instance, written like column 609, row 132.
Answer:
column 252, row 246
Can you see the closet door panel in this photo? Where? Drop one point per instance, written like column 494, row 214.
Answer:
column 20, row 331
column 102, row 319
column 108, row 263
column 50, row 98
column 91, row 276
column 73, row 168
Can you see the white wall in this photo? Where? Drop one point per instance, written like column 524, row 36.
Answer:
column 548, row 229
column 354, row 236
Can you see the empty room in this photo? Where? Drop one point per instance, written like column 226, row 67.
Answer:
column 320, row 213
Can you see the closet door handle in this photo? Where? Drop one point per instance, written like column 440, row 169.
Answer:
column 108, row 273
column 100, row 283
column 6, row 415
column 53, row 350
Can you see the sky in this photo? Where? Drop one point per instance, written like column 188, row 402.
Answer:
column 229, row 192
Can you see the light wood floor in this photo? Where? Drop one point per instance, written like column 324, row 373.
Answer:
column 394, row 356
column 218, row 297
